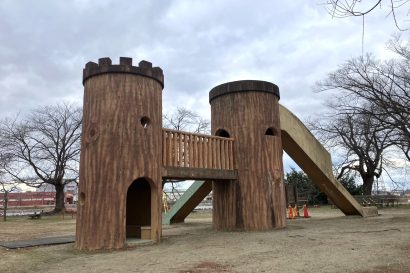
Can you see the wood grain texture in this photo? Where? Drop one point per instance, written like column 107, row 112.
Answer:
column 116, row 150
column 256, row 201
column 224, row 207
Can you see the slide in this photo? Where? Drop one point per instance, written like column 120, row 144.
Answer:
column 300, row 144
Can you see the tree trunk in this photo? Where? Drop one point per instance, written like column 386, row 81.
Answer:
column 367, row 184
column 59, row 207
column 5, row 204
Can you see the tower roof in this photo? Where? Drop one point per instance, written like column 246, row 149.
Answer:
column 105, row 65
column 243, row 86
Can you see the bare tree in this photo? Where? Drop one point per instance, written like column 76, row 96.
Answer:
column 385, row 86
column 359, row 139
column 44, row 147
column 184, row 120
column 348, row 8
column 6, row 186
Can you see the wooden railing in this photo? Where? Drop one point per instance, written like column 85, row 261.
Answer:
column 182, row 149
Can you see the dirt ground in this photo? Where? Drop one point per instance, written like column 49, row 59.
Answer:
column 326, row 242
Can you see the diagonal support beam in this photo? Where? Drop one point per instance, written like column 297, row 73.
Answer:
column 187, row 202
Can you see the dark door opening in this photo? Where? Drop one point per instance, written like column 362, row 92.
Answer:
column 138, row 212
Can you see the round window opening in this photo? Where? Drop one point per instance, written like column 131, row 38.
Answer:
column 145, row 121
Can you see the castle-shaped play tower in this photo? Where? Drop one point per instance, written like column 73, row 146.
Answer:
column 120, row 164
column 248, row 112
column 126, row 154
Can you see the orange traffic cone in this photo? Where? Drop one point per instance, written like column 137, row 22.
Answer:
column 305, row 211
column 295, row 211
column 290, row 212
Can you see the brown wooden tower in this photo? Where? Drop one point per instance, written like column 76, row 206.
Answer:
column 248, row 111
column 120, row 169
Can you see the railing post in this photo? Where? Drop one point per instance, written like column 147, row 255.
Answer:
column 205, row 164
column 191, row 150
column 169, row 157
column 180, row 150
column 222, row 154
column 218, row 154
column 215, row 163
column 231, row 156
column 174, row 144
column 201, row 154
column 184, row 155
column 164, row 148
column 209, row 153
column 226, row 154
column 195, row 163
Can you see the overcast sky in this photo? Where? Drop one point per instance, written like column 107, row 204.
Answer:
column 44, row 45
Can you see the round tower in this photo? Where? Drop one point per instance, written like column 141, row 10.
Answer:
column 120, row 166
column 248, row 111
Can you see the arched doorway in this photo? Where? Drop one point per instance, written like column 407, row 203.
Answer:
column 138, row 212
column 222, row 133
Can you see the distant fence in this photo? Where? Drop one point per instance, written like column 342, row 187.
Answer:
column 378, row 200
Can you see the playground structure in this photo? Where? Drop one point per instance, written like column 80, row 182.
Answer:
column 126, row 155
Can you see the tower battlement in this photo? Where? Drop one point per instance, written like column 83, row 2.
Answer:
column 105, row 65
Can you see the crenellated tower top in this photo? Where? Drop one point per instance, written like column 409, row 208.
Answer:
column 105, row 65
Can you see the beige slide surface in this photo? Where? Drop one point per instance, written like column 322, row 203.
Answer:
column 300, row 144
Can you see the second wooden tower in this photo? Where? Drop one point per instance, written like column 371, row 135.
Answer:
column 248, row 111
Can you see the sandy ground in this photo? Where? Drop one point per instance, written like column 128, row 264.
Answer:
column 327, row 242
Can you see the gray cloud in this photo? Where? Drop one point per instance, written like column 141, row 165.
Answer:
column 199, row 44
